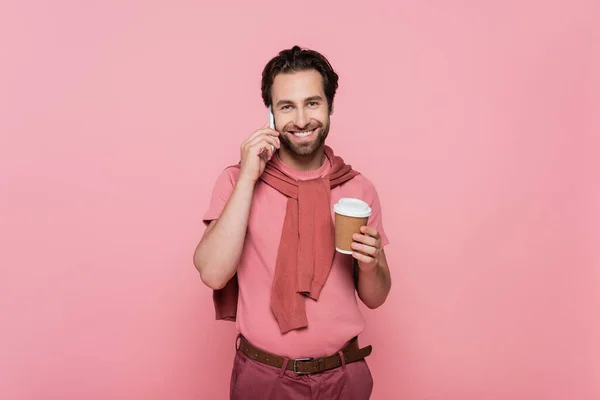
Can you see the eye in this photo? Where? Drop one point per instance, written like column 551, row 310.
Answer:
column 312, row 104
column 286, row 107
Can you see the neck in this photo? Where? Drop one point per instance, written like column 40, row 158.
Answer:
column 308, row 162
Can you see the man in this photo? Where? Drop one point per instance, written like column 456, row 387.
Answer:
column 268, row 250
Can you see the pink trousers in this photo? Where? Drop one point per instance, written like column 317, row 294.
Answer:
column 251, row 380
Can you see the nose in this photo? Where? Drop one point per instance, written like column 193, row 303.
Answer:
column 302, row 119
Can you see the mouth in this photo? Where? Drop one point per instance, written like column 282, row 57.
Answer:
column 303, row 134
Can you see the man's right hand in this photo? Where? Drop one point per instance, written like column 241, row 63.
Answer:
column 256, row 151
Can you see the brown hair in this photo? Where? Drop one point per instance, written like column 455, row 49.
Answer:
column 294, row 60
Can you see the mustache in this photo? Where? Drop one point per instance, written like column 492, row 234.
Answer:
column 308, row 127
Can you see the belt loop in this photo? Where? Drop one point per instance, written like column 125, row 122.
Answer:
column 281, row 372
column 343, row 359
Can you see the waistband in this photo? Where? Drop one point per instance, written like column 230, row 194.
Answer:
column 308, row 365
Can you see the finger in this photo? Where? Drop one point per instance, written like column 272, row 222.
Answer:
column 266, row 138
column 263, row 135
column 369, row 230
column 368, row 240
column 267, row 143
column 263, row 131
column 363, row 258
column 263, row 149
column 364, row 249
column 267, row 131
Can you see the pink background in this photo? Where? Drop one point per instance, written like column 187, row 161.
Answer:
column 477, row 122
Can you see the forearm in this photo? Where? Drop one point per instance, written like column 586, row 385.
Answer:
column 218, row 253
column 374, row 285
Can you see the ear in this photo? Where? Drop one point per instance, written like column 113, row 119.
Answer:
column 332, row 108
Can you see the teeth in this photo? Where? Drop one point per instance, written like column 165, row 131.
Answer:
column 302, row 134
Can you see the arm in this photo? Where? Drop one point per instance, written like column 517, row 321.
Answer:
column 374, row 280
column 217, row 255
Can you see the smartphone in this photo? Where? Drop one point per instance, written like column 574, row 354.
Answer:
column 271, row 119
column 271, row 124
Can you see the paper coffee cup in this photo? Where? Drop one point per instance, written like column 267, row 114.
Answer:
column 350, row 215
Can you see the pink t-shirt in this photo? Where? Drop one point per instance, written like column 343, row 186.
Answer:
column 332, row 320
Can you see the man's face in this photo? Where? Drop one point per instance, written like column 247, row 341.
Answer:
column 301, row 111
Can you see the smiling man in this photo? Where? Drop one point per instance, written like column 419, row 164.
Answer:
column 268, row 250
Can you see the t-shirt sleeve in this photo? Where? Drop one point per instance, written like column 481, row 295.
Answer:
column 220, row 195
column 376, row 218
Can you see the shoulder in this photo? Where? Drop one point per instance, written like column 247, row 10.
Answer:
column 363, row 181
column 360, row 187
column 233, row 172
column 364, row 184
column 229, row 175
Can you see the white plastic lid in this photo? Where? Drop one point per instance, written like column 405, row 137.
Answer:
column 352, row 208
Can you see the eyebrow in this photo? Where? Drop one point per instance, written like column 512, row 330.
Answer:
column 311, row 98
column 314, row 98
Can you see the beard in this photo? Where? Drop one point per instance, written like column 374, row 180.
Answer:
column 306, row 148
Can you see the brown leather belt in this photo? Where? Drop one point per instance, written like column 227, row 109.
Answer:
column 303, row 366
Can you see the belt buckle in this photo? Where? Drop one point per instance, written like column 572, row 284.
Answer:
column 296, row 365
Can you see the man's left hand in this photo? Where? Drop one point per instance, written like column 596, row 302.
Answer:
column 367, row 248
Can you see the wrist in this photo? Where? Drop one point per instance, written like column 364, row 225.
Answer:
column 245, row 183
column 369, row 270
